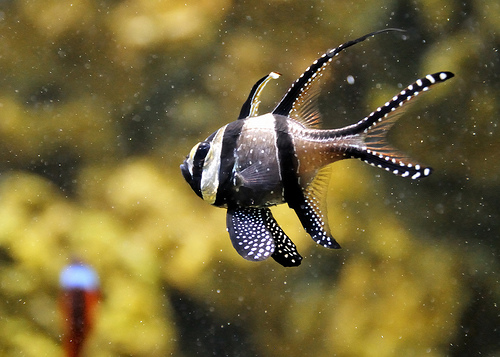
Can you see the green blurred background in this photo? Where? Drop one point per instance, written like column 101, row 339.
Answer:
column 100, row 101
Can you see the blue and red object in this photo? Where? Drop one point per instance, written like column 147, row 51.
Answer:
column 79, row 297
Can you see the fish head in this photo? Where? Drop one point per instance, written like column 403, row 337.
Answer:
column 192, row 167
column 201, row 167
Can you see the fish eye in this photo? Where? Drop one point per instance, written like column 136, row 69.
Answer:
column 196, row 160
column 200, row 155
column 203, row 149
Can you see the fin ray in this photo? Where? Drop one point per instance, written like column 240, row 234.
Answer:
column 305, row 109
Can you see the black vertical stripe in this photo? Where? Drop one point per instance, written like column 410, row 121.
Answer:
column 292, row 192
column 198, row 162
column 288, row 162
column 229, row 141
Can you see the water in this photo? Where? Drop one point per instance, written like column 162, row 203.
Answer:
column 99, row 104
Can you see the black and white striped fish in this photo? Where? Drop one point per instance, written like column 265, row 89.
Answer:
column 260, row 161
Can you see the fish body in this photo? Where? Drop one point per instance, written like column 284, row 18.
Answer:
column 260, row 161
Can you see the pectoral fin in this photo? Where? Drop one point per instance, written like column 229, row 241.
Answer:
column 259, row 175
column 256, row 236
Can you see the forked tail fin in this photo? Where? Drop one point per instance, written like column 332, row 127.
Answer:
column 372, row 130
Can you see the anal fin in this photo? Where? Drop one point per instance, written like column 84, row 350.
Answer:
column 312, row 212
column 314, row 225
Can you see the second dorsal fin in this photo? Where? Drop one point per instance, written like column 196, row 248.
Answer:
column 300, row 102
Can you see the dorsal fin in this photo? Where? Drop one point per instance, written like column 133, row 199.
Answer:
column 300, row 102
column 251, row 105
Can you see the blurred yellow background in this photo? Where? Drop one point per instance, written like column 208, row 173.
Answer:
column 100, row 101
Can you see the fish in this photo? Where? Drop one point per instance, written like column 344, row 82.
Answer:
column 259, row 161
column 80, row 294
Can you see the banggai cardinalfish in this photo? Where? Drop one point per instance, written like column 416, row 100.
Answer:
column 260, row 161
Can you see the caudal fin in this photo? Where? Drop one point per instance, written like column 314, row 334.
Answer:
column 373, row 130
